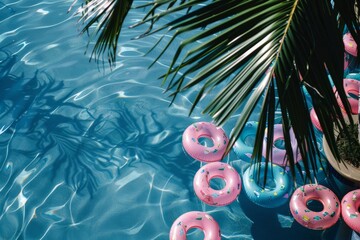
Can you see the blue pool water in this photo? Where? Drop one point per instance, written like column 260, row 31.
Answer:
column 89, row 154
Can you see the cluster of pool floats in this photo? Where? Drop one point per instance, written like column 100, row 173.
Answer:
column 265, row 197
column 272, row 197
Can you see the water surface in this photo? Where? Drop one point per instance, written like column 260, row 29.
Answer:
column 96, row 154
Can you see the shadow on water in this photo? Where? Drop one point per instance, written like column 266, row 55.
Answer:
column 5, row 11
column 38, row 122
column 64, row 158
column 47, row 142
column 33, row 123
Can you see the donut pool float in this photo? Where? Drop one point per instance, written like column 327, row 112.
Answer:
column 196, row 150
column 315, row 120
column 350, row 44
column 195, row 219
column 279, row 154
column 350, row 205
column 243, row 146
column 351, row 87
column 214, row 197
column 267, row 197
column 311, row 219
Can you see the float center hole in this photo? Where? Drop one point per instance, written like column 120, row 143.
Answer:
column 353, row 94
column 315, row 205
column 206, row 141
column 279, row 143
column 270, row 182
column 195, row 234
column 249, row 140
column 217, row 183
column 269, row 185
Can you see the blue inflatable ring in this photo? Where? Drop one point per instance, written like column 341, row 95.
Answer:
column 241, row 148
column 265, row 197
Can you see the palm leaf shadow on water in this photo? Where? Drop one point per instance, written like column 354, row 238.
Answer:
column 40, row 130
column 65, row 155
column 42, row 124
column 49, row 145
column 5, row 11
column 36, row 141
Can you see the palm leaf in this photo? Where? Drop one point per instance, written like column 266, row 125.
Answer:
column 253, row 52
column 108, row 16
column 242, row 41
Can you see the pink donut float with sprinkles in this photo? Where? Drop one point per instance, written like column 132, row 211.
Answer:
column 350, row 205
column 214, row 197
column 279, row 155
column 195, row 219
column 311, row 219
column 193, row 147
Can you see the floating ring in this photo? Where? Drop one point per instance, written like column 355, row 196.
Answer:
column 214, row 197
column 202, row 153
column 310, row 219
column 279, row 154
column 198, row 220
column 350, row 205
column 267, row 197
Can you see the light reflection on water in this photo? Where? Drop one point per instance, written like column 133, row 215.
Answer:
column 89, row 154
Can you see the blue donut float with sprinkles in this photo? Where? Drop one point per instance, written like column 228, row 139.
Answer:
column 268, row 197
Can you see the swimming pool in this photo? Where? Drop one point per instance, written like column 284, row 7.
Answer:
column 89, row 154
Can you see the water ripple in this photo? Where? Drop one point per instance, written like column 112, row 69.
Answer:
column 91, row 154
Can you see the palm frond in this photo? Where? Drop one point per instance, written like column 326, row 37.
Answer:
column 107, row 16
column 240, row 42
column 249, row 52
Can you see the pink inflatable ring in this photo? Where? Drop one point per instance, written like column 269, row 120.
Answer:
column 195, row 219
column 350, row 205
column 310, row 219
column 214, row 197
column 192, row 146
column 279, row 154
